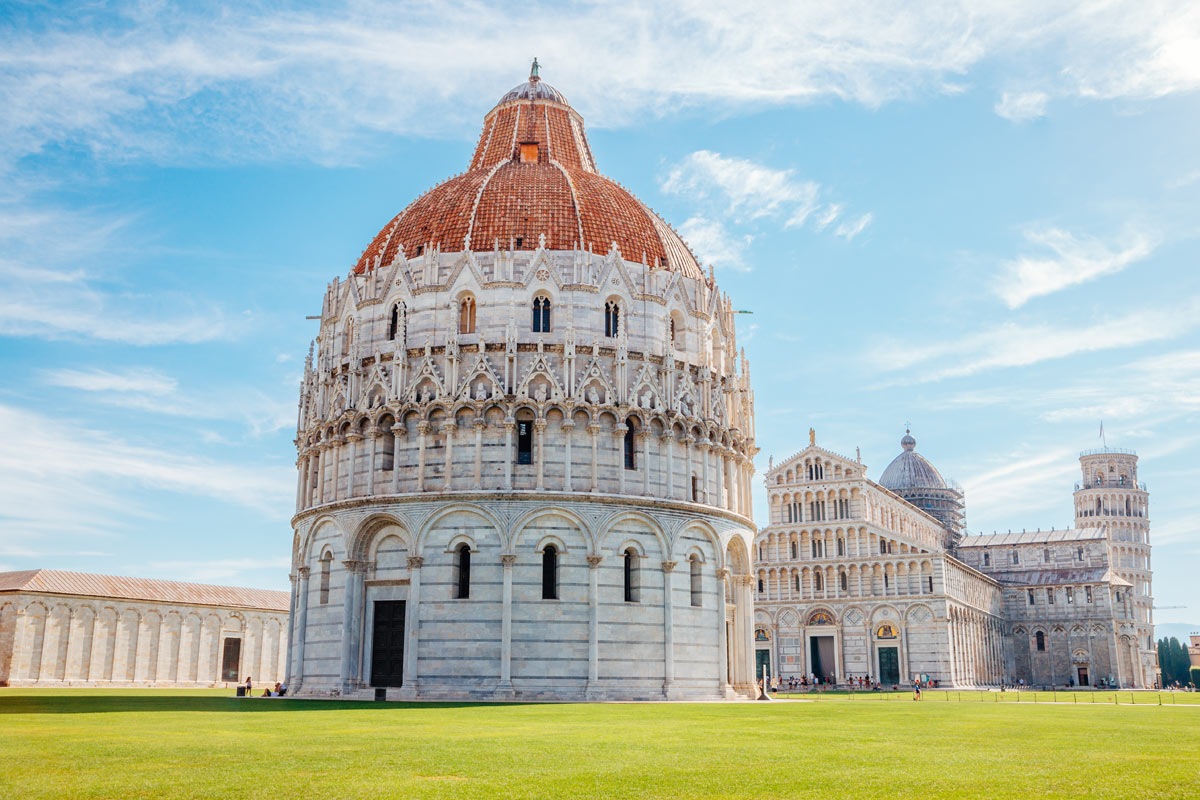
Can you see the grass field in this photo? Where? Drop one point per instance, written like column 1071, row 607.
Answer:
column 153, row 744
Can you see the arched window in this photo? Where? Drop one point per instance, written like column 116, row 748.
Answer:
column 387, row 443
column 631, row 576
column 462, row 570
column 760, row 585
column 674, row 331
column 630, row 448
column 818, row 581
column 987, row 559
column 841, row 545
column 326, row 561
column 525, row 441
column 1079, row 554
column 844, row 581
column 1041, row 640
column 697, row 582
column 466, row 315
column 793, row 551
column 396, row 323
column 612, row 318
column 347, row 336
column 541, row 315
column 550, row 573
column 797, row 581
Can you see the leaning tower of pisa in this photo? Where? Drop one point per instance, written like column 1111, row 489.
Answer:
column 1111, row 497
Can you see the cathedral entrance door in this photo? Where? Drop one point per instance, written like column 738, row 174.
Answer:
column 1083, row 676
column 387, row 644
column 821, row 651
column 762, row 658
column 889, row 665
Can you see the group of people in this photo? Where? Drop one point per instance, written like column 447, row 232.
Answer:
column 805, row 682
column 279, row 691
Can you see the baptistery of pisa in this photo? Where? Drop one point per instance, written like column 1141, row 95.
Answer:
column 525, row 445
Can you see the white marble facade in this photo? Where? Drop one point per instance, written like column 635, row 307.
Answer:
column 433, row 416
column 57, row 639
column 853, row 582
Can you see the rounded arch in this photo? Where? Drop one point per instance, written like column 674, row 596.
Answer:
column 319, row 523
column 606, row 528
column 528, row 518
column 363, row 540
column 470, row 508
column 709, row 532
column 737, row 558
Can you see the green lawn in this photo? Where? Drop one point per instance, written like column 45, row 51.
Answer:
column 116, row 743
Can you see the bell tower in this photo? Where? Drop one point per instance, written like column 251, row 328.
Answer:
column 1110, row 497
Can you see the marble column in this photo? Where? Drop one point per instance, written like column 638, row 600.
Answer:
column 722, row 634
column 300, row 633
column 539, row 452
column 480, row 424
column 509, row 427
column 287, row 672
column 422, row 436
column 504, row 688
column 668, row 631
column 351, row 627
column 373, row 433
column 568, row 428
column 593, row 682
column 321, row 459
column 399, row 433
column 448, row 429
column 669, row 445
column 336, row 451
column 412, row 628
column 594, row 430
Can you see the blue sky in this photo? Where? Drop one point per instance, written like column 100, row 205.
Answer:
column 978, row 218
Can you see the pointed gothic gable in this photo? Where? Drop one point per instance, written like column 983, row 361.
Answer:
column 541, row 261
column 465, row 262
column 540, row 366
column 816, row 450
column 646, row 381
column 594, row 375
column 480, row 369
column 427, row 373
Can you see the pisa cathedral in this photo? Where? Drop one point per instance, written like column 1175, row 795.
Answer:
column 856, row 578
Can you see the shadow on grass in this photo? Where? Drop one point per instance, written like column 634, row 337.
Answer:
column 102, row 704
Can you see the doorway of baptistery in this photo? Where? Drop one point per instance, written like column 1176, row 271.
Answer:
column 762, row 660
column 1083, row 676
column 889, row 665
column 387, row 643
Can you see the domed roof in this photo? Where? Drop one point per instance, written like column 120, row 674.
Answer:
column 534, row 90
column 532, row 175
column 910, row 470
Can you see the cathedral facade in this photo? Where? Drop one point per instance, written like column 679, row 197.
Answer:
column 525, row 445
column 857, row 578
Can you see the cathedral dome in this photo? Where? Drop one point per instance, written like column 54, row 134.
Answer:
column 531, row 182
column 910, row 470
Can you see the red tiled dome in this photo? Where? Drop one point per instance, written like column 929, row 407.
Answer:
column 532, row 174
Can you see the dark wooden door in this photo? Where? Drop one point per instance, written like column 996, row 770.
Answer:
column 387, row 644
column 889, row 665
column 231, row 659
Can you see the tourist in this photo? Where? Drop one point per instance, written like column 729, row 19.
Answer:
column 282, row 689
column 916, row 688
column 249, row 687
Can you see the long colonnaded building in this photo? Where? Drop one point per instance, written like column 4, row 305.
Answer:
column 857, row 578
column 525, row 445
column 62, row 628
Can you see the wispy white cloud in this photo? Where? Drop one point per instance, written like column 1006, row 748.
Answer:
column 714, row 244
column 1071, row 260
column 46, row 292
column 255, row 81
column 1014, row 344
column 150, row 390
column 848, row 230
column 744, row 191
column 1022, row 106
column 1019, row 480
column 59, row 481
